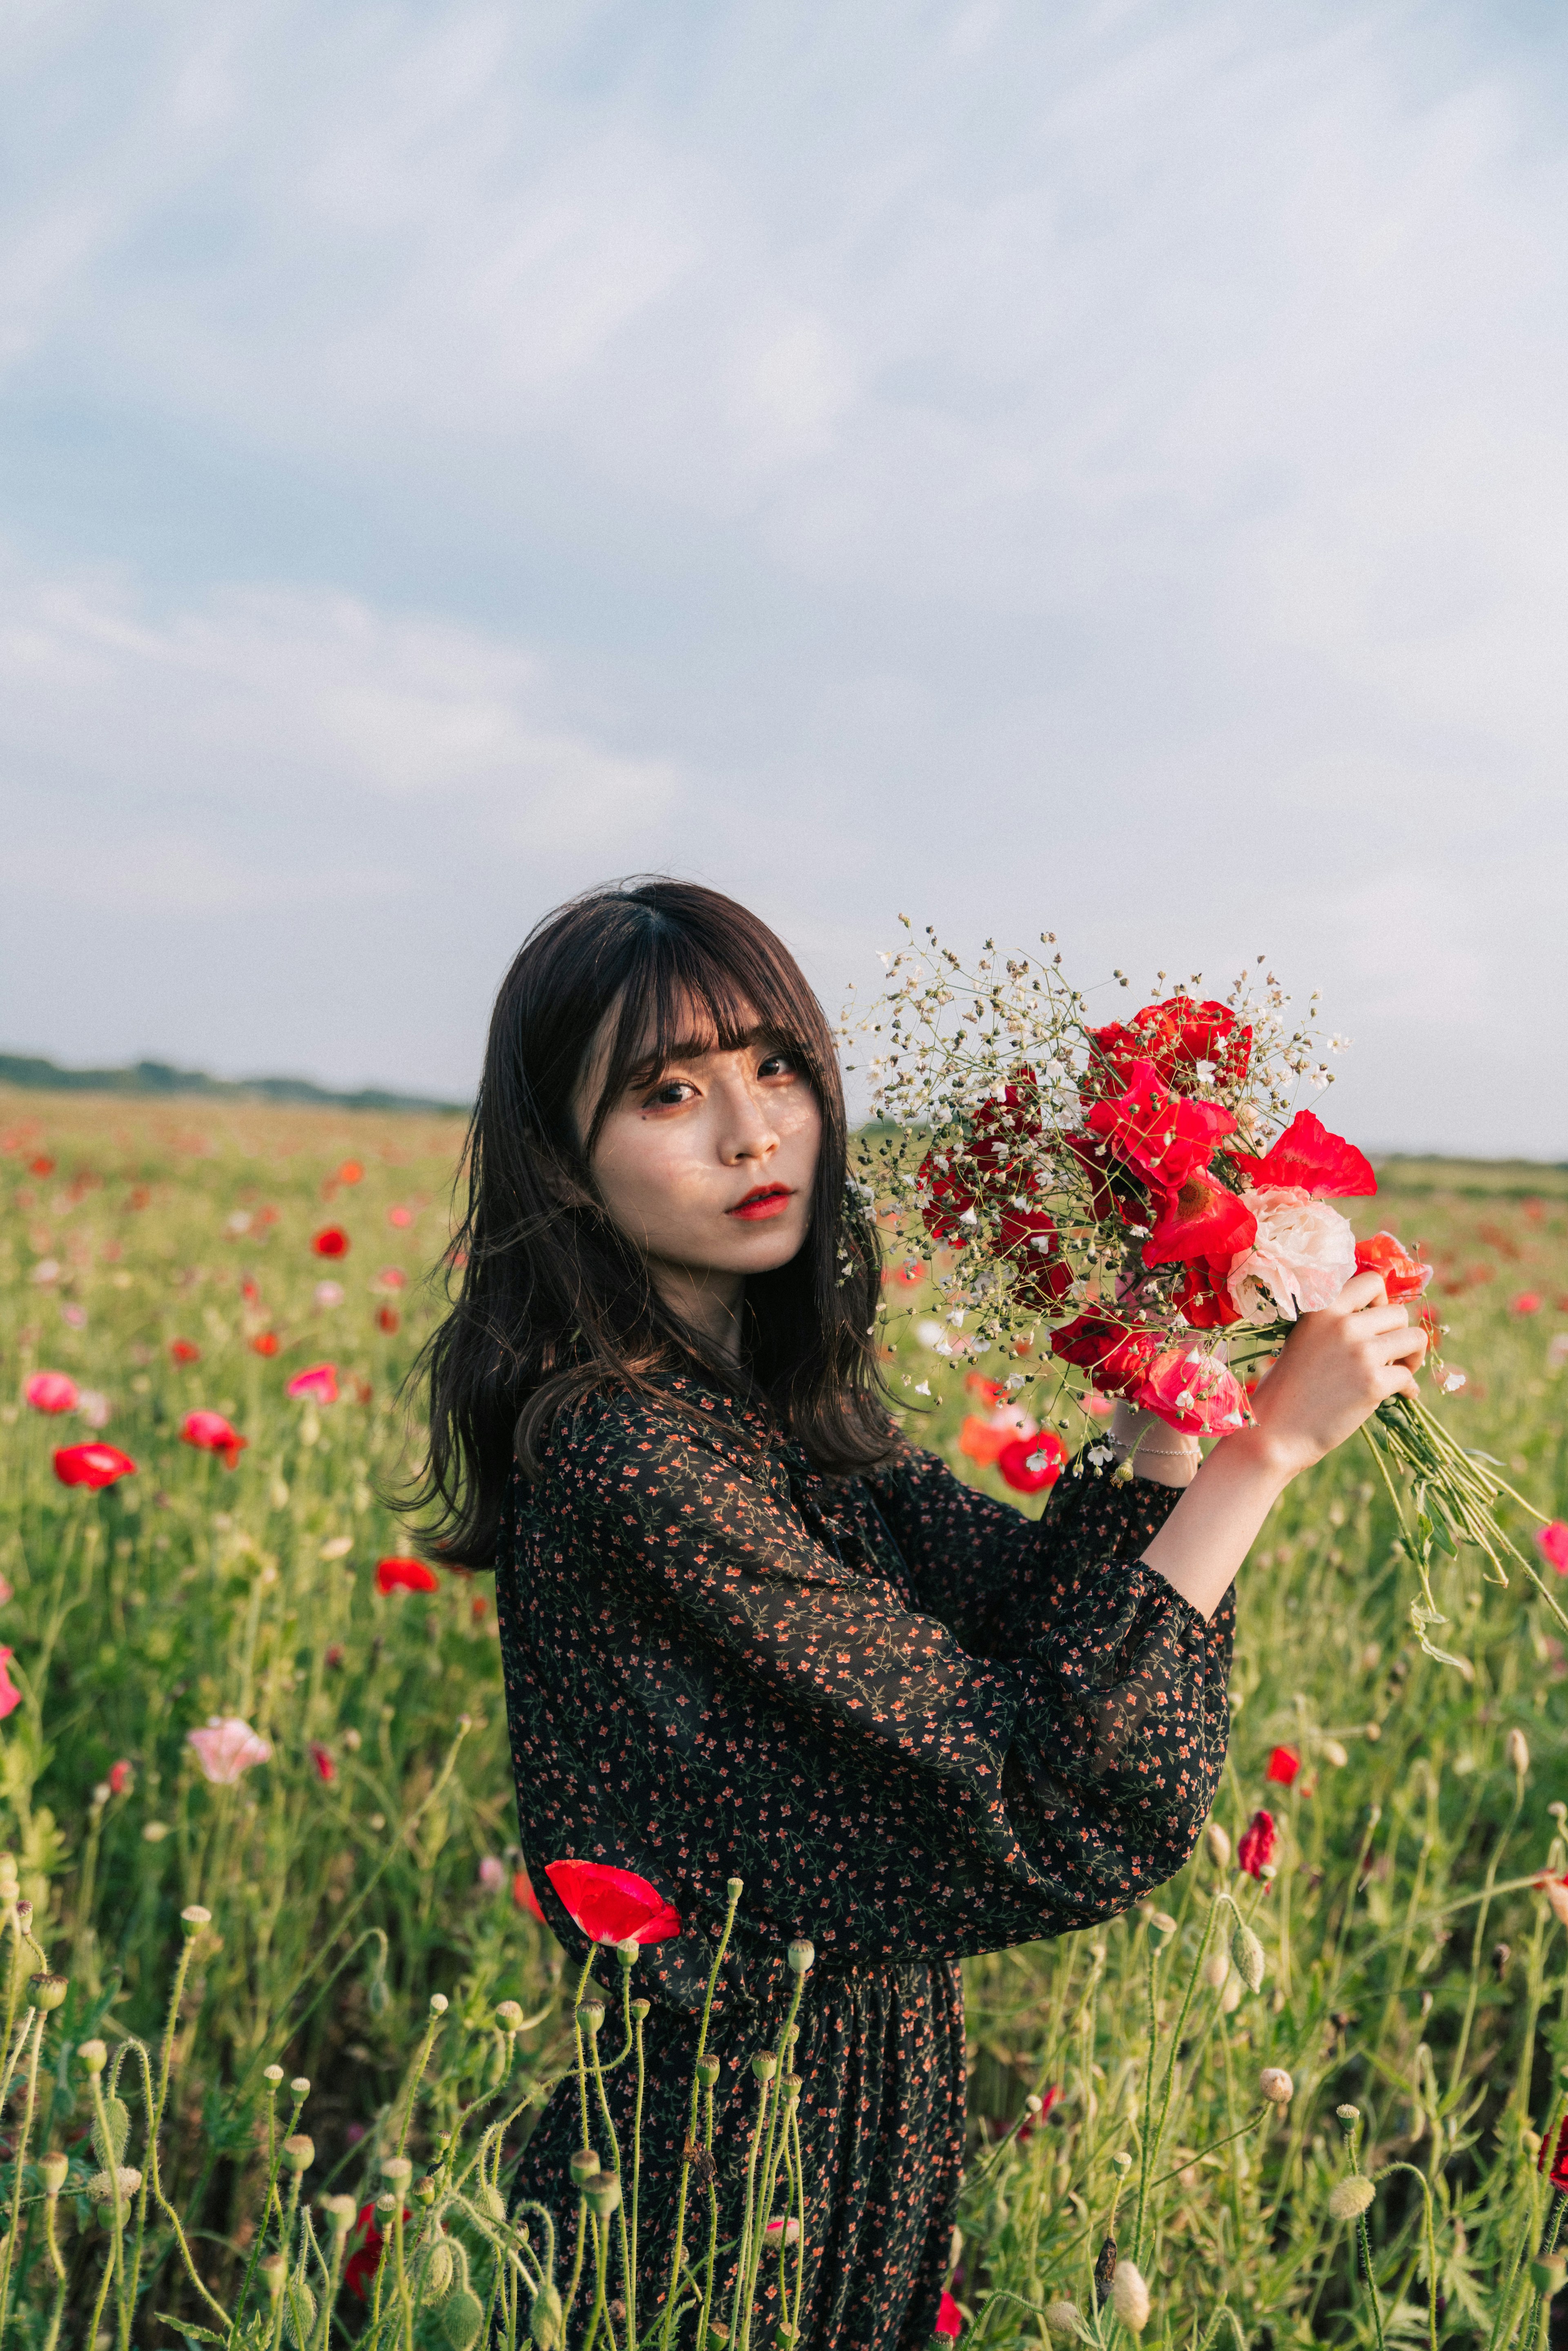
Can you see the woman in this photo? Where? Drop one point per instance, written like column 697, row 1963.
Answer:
column 747, row 1631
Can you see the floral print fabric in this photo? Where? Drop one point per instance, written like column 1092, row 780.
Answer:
column 916, row 1725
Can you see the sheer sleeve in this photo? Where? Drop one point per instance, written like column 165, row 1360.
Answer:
column 779, row 1712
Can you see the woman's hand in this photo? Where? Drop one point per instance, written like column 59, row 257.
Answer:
column 1335, row 1368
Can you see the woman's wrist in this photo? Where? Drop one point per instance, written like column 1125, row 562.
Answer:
column 1156, row 1451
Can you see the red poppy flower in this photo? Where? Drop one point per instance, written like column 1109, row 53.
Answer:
column 1283, row 1765
column 51, row 1392
column 992, row 1163
column 949, row 2319
column 1030, row 1464
column 321, row 1756
column 401, row 1218
column 1404, row 1275
column 1527, row 1302
column 1028, row 1241
column 1310, row 1158
column 350, row 1172
column 250, row 1291
column 612, row 1906
column 41, row 1166
column 405, row 1576
column 1552, row 1539
column 1165, row 1136
column 10, row 1696
column 1256, row 1848
column 1559, row 2156
column 1116, row 1355
column 1203, row 1295
column 119, row 1778
column 181, row 1351
column 359, row 2269
column 525, row 1897
column 331, row 1241
column 265, row 1343
column 1177, row 1036
column 388, row 1319
column 93, row 1465
column 318, row 1384
column 209, row 1432
column 1201, row 1218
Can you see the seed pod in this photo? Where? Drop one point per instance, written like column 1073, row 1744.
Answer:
column 274, row 2276
column 1350, row 2198
column 1161, row 1923
column 299, row 2152
column 440, row 2270
column 735, row 1887
column 1333, row 1753
column 629, row 1951
column 1105, row 2269
column 94, row 2055
column 1547, row 2272
column 54, row 2168
column 100, row 2187
column 544, row 2318
column 708, row 2071
column 298, row 2312
column 46, row 1991
column 339, row 2210
column 1130, row 2296
column 1063, row 2324
column 590, row 2014
column 423, row 2191
column 195, row 1917
column 398, row 2170
column 603, row 2192
column 1518, row 1748
column 439, row 2003
column 1348, row 2115
column 1218, row 1846
column 1248, row 1953
column 509, row 2016
column 1275, row 2084
column 801, row 1956
column 765, row 2065
column 117, row 2114
column 641, row 2009
column 1216, row 1968
column 584, row 2165
column 273, row 2073
column 463, row 2320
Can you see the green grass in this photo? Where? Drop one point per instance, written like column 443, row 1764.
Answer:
column 341, row 1905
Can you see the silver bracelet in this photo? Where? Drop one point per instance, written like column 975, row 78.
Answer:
column 1156, row 1452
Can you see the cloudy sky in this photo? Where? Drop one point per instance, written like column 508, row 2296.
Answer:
column 1095, row 467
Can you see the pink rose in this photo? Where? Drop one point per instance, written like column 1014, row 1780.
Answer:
column 1196, row 1392
column 1300, row 1258
column 227, row 1748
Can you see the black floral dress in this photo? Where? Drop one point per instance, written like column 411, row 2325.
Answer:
column 916, row 1725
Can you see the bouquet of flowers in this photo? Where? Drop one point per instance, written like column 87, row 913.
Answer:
column 1144, row 1200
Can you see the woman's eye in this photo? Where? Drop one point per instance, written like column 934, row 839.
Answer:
column 777, row 1065
column 670, row 1095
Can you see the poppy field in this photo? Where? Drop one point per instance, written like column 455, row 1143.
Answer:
column 277, row 2002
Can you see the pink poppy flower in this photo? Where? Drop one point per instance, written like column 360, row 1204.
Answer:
column 226, row 1748
column 329, row 1294
column 93, row 1465
column 1529, row 1301
column 209, row 1432
column 1193, row 1393
column 492, row 1872
column 121, row 1778
column 1256, row 1849
column 401, row 1218
column 10, row 1696
column 405, row 1576
column 1283, row 1765
column 391, row 1277
column 1551, row 1542
column 319, row 1383
column 612, row 1906
column 51, row 1392
column 5, row 1591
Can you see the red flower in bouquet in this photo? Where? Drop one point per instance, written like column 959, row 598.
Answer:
column 1308, row 1158
column 1404, row 1275
column 1116, row 1355
column 1204, row 1297
column 1201, row 1219
column 1030, row 1464
column 1180, row 1037
column 1165, row 1136
column 612, row 1906
column 1193, row 1392
column 1028, row 1241
column 93, row 1465
column 1283, row 1765
column 1258, row 1838
column 405, row 1576
column 990, row 1164
column 209, row 1432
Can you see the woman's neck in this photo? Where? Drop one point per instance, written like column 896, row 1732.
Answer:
column 705, row 1299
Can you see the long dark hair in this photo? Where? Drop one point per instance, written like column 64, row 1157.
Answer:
column 554, row 1300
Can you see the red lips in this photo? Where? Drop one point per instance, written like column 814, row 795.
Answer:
column 766, row 1200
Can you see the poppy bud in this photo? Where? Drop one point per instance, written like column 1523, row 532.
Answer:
column 275, row 2276
column 1349, row 2199
column 1546, row 2275
column 339, row 2210
column 300, row 2085
column 46, row 1991
column 1276, row 2085
column 94, row 2055
column 1216, row 1968
column 584, row 2165
column 299, row 2152
column 1130, row 2296
column 273, row 2073
column 708, row 2071
column 1248, row 1953
column 1518, row 1752
column 1218, row 1846
column 590, row 2014
column 603, row 2192
column 398, row 2170
column 100, row 2187
column 299, row 2312
column 544, row 2318
column 509, row 2016
column 641, row 2009
column 1162, row 1924
column 423, row 2191
column 1333, row 1753
column 765, row 2065
column 463, row 2320
column 53, row 2169
column 802, row 1954
column 439, row 2003
column 1348, row 2115
column 440, row 2270
column 492, row 2203
column 1063, row 2322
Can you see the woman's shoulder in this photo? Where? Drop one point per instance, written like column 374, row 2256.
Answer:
column 607, row 1428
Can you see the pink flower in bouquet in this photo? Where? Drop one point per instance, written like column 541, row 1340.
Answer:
column 1163, row 1136
column 209, row 1432
column 1201, row 1219
column 1308, row 1158
column 51, row 1392
column 318, row 1384
column 1030, row 1464
column 1403, row 1274
column 93, row 1465
column 612, row 1906
column 1116, row 1355
column 1256, row 1848
column 1283, row 1765
column 1302, row 1257
column 10, row 1696
column 226, row 1748
column 1551, row 1542
column 1193, row 1392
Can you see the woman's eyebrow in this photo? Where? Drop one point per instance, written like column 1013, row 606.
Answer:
column 696, row 1048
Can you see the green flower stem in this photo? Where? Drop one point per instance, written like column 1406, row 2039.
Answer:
column 677, row 2254
column 628, row 2275
column 20, row 2159
column 1386, row 2172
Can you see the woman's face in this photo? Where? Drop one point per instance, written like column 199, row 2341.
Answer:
column 708, row 1163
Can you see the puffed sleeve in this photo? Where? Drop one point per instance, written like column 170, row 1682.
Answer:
column 896, row 1794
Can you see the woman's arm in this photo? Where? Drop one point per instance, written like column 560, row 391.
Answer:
column 1337, row 1366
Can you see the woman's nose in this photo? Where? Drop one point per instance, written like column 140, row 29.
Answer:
column 748, row 1131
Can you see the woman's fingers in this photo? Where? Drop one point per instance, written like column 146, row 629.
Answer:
column 1362, row 1290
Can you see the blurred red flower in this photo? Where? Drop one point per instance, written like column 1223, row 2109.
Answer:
column 51, row 1392
column 326, row 1770
column 10, row 1696
column 1403, row 1274
column 121, row 1777
column 1559, row 2172
column 612, row 1906
column 350, row 1172
column 405, row 1576
column 359, row 2269
column 42, row 1165
column 1283, row 1765
column 1310, row 1158
column 181, row 1351
column 1528, row 1302
column 209, row 1432
column 1116, row 1355
column 265, row 1343
column 388, row 1319
column 525, row 1897
column 1551, row 1540
column 949, row 2318
column 93, row 1465
column 1256, row 1849
column 400, row 1218
column 1029, row 1464
column 250, row 1291
column 331, row 1241
column 319, row 1384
